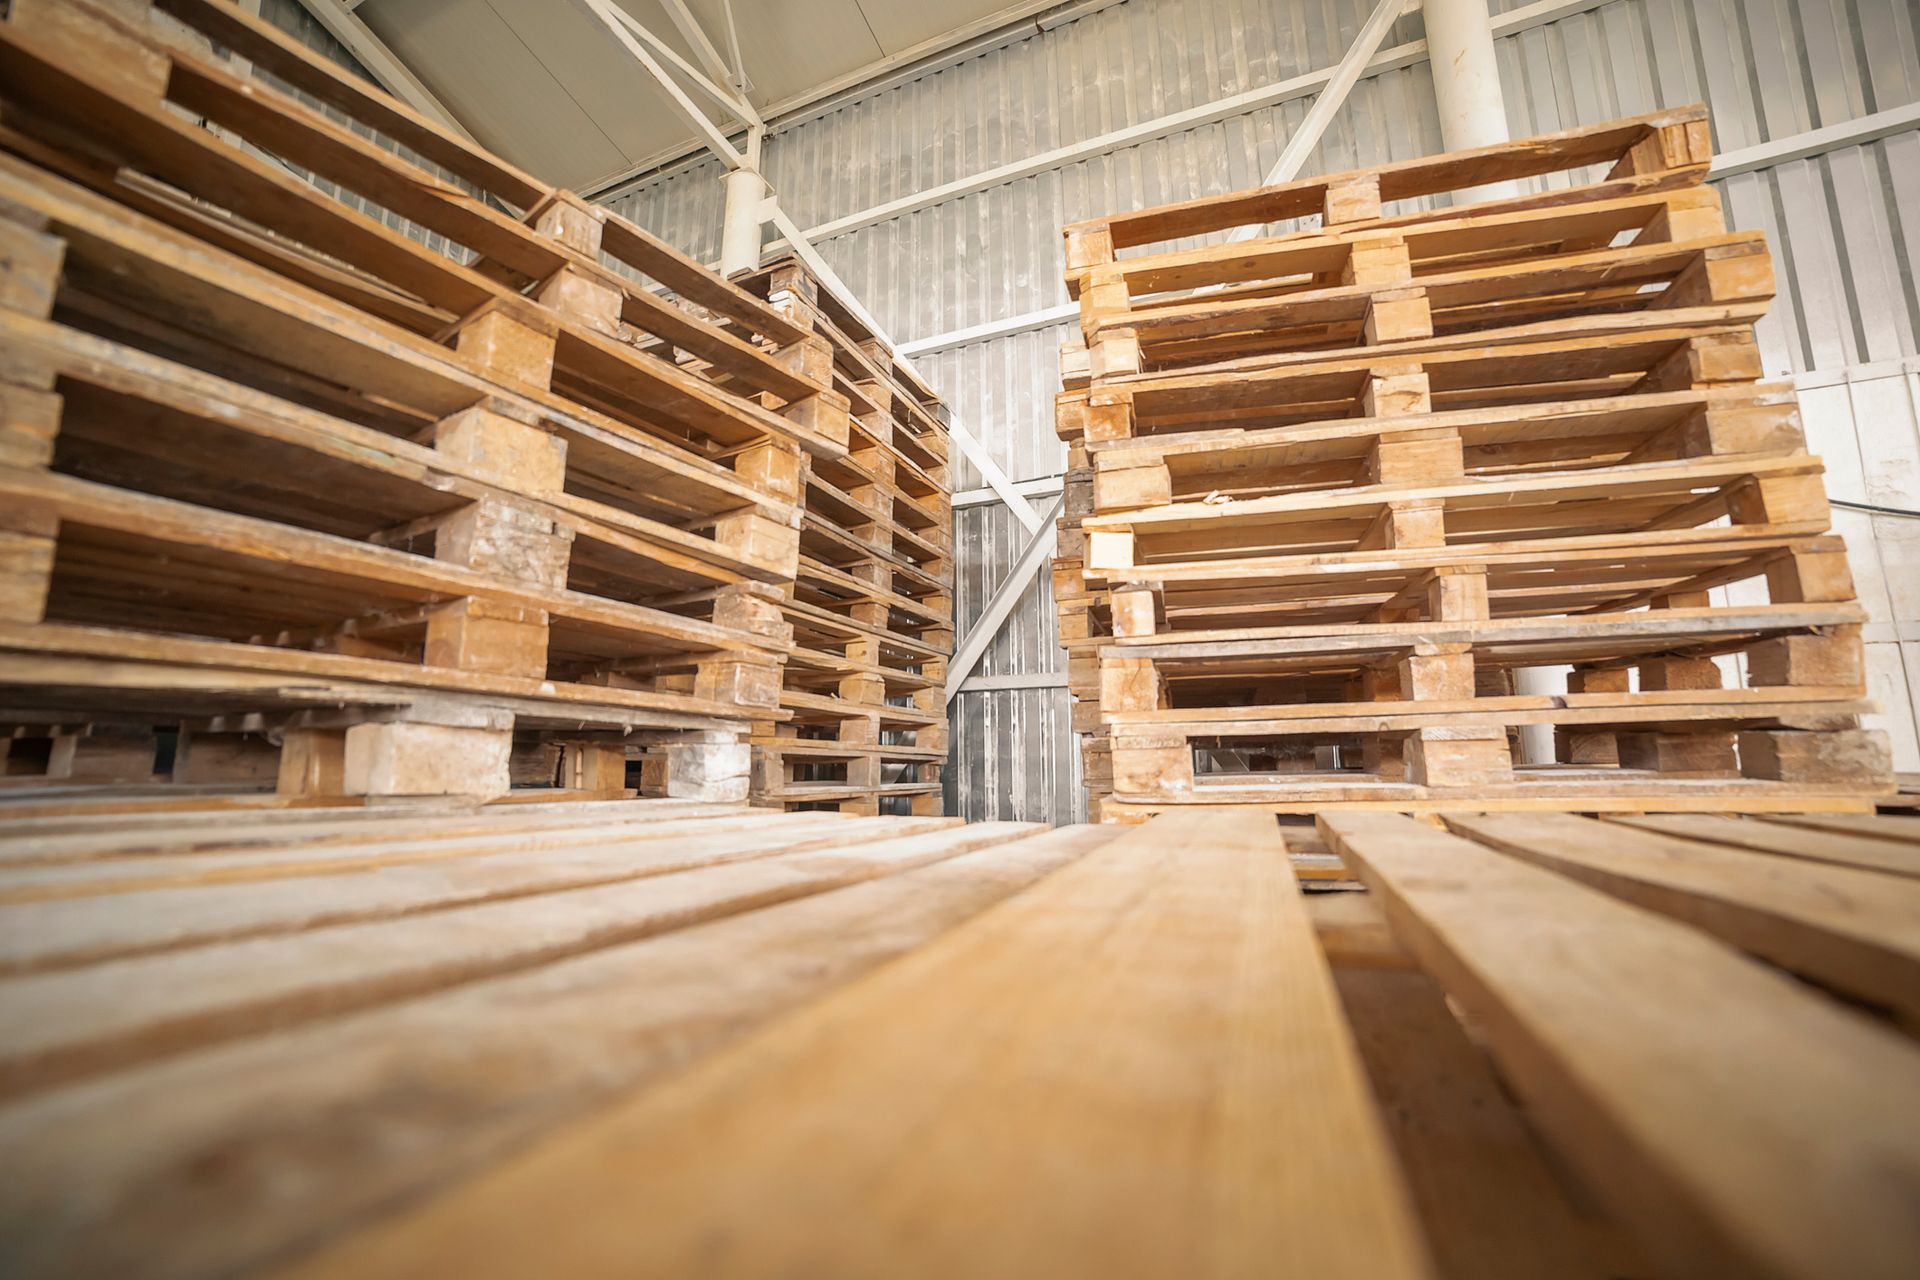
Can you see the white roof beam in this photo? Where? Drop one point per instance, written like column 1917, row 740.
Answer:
column 696, row 36
column 677, row 98
column 720, row 93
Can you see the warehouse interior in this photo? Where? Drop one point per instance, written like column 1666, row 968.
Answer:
column 872, row 638
column 934, row 182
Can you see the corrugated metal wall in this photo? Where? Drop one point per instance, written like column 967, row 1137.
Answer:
column 1844, row 225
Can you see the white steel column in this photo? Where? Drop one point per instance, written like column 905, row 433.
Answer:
column 740, row 233
column 1466, row 81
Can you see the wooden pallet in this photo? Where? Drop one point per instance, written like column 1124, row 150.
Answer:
column 279, row 474
column 1347, row 482
column 372, row 1043
column 871, row 606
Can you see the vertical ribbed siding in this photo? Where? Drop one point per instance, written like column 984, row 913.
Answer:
column 1845, row 226
column 1013, row 754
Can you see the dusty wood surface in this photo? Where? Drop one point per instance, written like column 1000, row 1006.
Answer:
column 714, row 1040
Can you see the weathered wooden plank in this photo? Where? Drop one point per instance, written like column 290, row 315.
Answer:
column 1851, row 930
column 210, row 828
column 181, row 673
column 1138, row 1068
column 271, row 49
column 1505, row 493
column 303, row 444
column 307, row 857
column 1738, row 1122
column 1886, row 826
column 269, row 316
column 1637, row 708
column 300, row 555
column 1543, row 791
column 1672, row 625
column 1521, row 158
column 1560, row 276
column 64, row 934
column 68, row 1024
column 1491, row 1205
column 243, row 1155
column 1866, row 852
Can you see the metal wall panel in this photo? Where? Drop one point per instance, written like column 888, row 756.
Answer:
column 1013, row 754
column 1864, row 422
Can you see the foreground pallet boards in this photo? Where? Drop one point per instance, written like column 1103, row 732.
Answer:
column 1103, row 1077
column 654, row 1038
column 1420, row 503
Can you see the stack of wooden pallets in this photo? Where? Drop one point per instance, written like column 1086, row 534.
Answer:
column 333, row 507
column 871, row 606
column 1347, row 481
column 246, row 1041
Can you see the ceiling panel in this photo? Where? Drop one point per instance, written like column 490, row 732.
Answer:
column 901, row 24
column 791, row 45
column 475, row 63
column 544, row 84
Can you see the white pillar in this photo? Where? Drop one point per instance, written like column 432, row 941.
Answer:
column 740, row 234
column 1466, row 83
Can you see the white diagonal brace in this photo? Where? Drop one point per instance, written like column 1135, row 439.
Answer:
column 380, row 61
column 683, row 106
column 717, row 142
column 720, row 93
column 696, row 36
column 1038, row 551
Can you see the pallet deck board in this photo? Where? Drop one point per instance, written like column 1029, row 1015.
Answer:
column 473, row 1072
column 1850, row 930
column 1583, row 1005
column 113, row 1013
column 1093, row 961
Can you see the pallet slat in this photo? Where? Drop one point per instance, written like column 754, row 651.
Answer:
column 1100, row 962
column 1658, row 1060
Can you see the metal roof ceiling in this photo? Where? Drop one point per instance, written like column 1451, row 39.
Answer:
column 543, row 82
